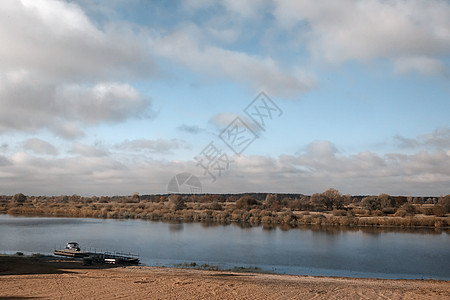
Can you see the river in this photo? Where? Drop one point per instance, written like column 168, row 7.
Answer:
column 331, row 251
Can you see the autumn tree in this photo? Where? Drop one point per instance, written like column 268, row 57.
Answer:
column 346, row 199
column 439, row 210
column 176, row 202
column 332, row 198
column 400, row 200
column 215, row 205
column 135, row 198
column 246, row 202
column 231, row 198
column 445, row 202
column 271, row 202
column 371, row 203
column 386, row 200
column 316, row 201
column 406, row 209
column 19, row 198
column 295, row 204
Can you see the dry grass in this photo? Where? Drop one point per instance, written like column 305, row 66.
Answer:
column 242, row 210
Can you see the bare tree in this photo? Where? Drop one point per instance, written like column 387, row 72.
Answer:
column 271, row 202
column 316, row 201
column 386, row 200
column 332, row 198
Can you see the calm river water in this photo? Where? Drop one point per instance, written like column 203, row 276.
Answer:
column 326, row 252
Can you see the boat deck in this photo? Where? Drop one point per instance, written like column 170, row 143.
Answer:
column 107, row 257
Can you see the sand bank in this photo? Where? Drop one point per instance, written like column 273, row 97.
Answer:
column 33, row 278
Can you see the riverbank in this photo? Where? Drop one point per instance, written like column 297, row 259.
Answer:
column 330, row 208
column 33, row 277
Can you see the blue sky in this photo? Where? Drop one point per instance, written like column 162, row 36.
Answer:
column 116, row 97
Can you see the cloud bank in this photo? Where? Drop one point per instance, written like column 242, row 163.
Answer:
column 414, row 34
column 61, row 72
column 95, row 171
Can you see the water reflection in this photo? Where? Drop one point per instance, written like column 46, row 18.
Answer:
column 175, row 227
column 210, row 224
column 268, row 227
column 307, row 250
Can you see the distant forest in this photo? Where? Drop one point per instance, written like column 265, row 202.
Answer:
column 330, row 208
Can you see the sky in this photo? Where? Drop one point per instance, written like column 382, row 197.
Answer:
column 121, row 96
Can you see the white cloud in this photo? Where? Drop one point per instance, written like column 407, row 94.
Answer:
column 321, row 148
column 104, row 102
column 86, row 175
column 261, row 73
column 39, row 146
column 224, row 35
column 437, row 139
column 4, row 161
column 404, row 142
column 413, row 34
column 161, row 146
column 192, row 129
column 420, row 64
column 60, row 71
column 58, row 39
column 320, row 167
column 88, row 151
column 246, row 9
column 194, row 5
column 96, row 171
column 221, row 121
column 31, row 104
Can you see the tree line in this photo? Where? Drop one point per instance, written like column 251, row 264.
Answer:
column 330, row 207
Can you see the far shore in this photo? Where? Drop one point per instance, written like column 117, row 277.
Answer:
column 49, row 277
column 329, row 208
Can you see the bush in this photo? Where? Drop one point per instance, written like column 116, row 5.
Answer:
column 445, row 202
column 389, row 210
column 176, row 202
column 246, row 202
column 439, row 210
column 339, row 212
column 271, row 202
column 377, row 213
column 215, row 206
column 371, row 203
column 295, row 204
column 428, row 211
column 409, row 209
column 362, row 212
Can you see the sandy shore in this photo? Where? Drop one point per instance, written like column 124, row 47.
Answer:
column 37, row 278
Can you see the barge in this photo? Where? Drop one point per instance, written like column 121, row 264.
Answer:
column 73, row 250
